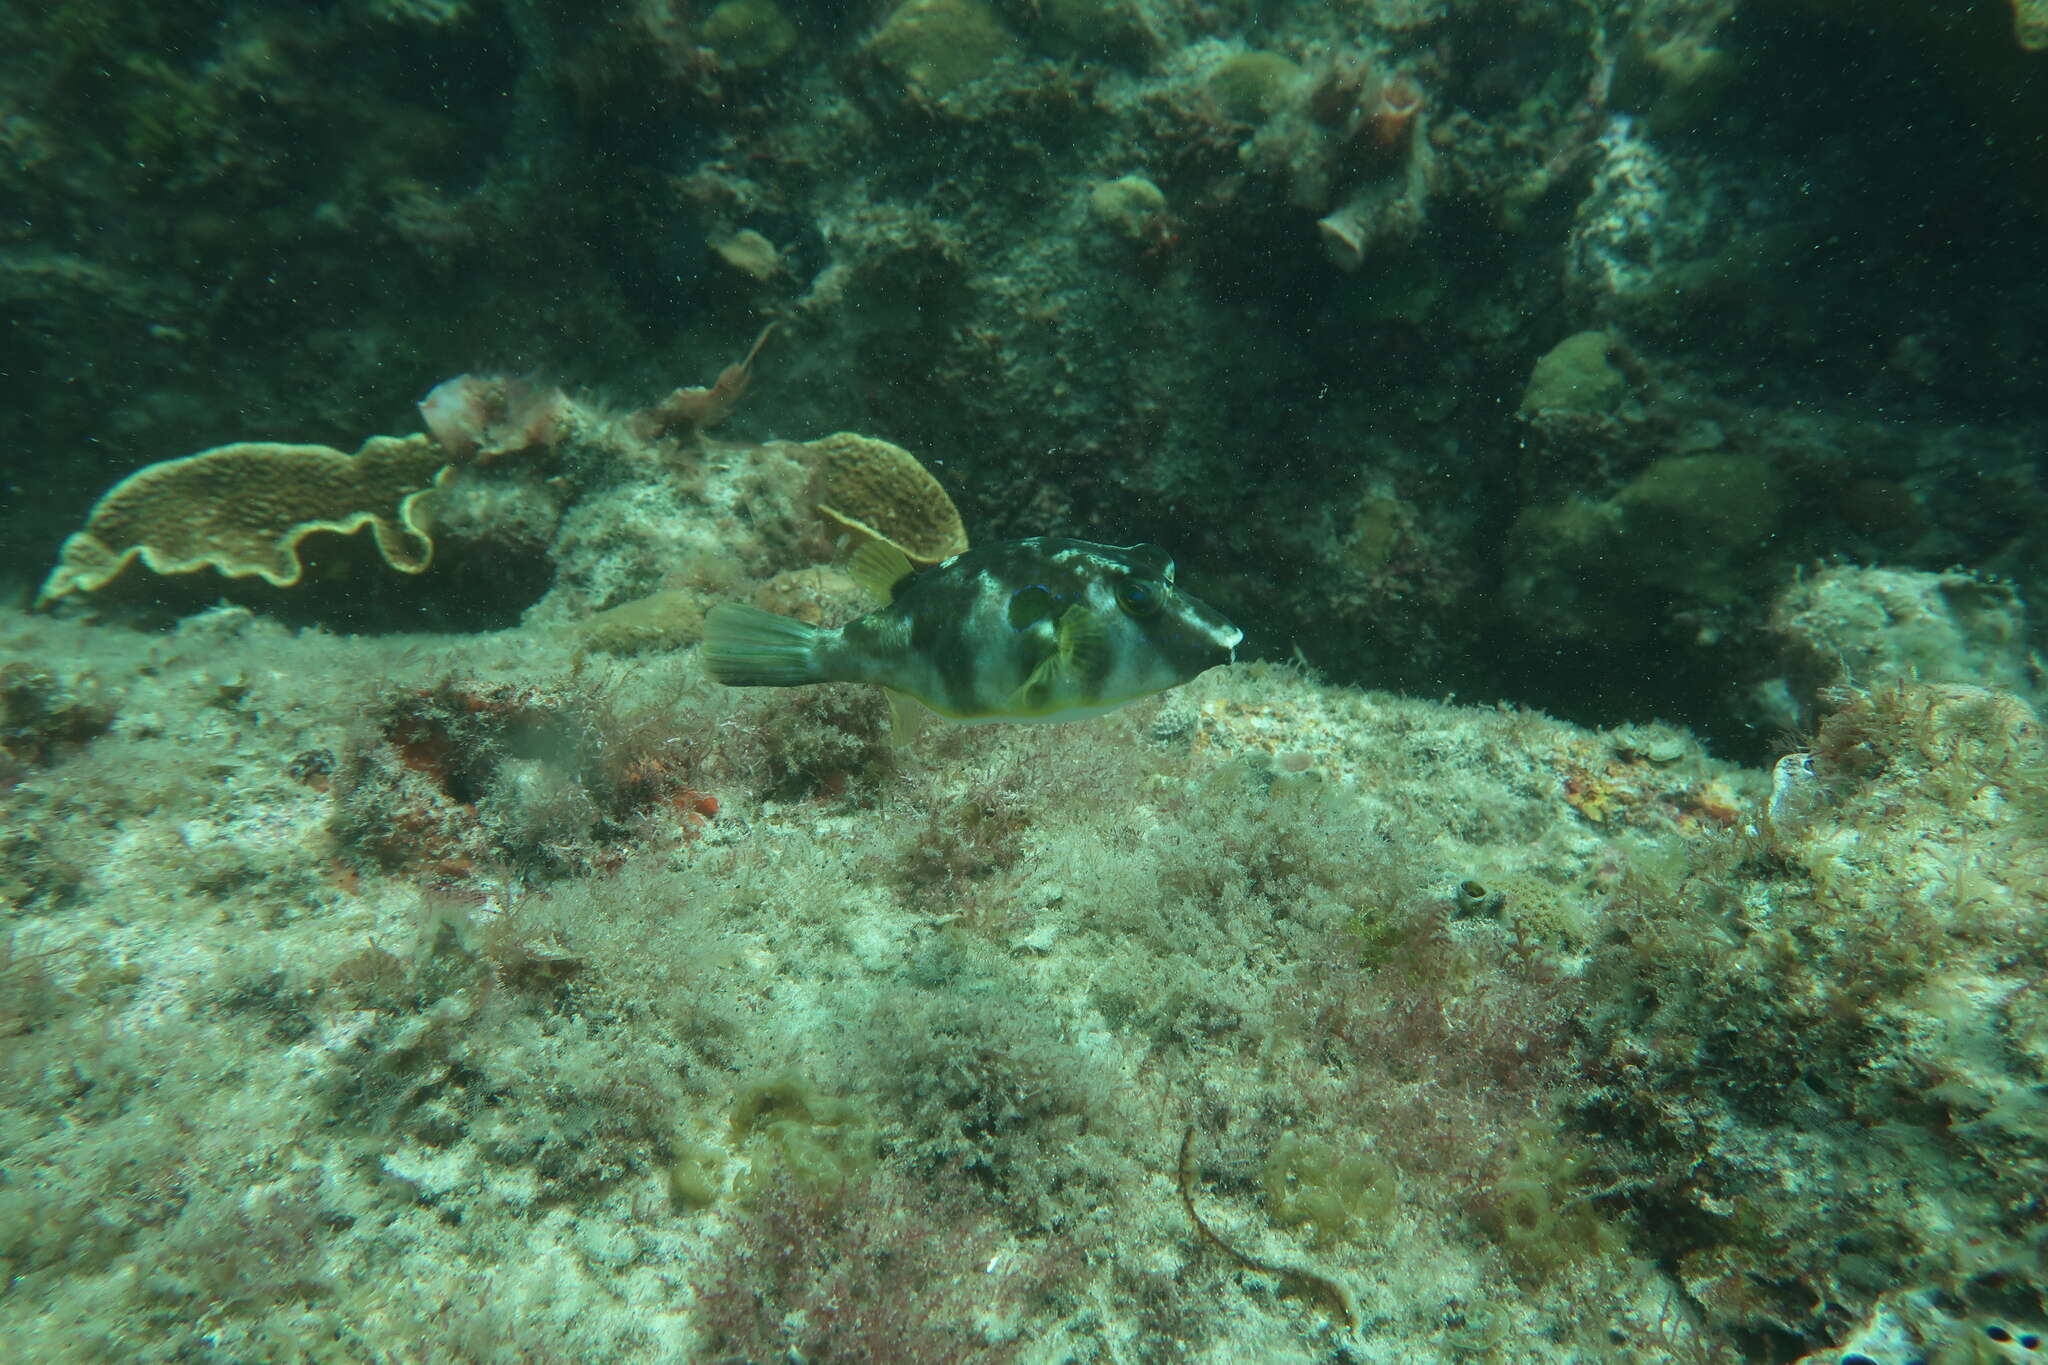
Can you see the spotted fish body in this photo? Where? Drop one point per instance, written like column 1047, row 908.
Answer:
column 1046, row 629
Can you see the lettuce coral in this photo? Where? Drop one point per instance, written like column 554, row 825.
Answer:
column 243, row 509
column 879, row 489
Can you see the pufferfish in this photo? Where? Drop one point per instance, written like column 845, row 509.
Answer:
column 1046, row 629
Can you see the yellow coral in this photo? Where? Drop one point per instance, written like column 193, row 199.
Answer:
column 881, row 490
column 243, row 509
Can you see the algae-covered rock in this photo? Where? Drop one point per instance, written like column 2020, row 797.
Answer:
column 937, row 46
column 1576, row 376
column 1690, row 528
column 748, row 33
column 1252, row 85
column 1694, row 520
column 1871, row 627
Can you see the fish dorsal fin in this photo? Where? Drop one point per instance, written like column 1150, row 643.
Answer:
column 878, row 567
column 1083, row 646
column 1153, row 558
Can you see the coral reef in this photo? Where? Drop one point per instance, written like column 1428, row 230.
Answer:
column 436, row 965
column 1370, row 220
column 1874, row 628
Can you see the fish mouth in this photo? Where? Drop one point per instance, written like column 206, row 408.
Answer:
column 1204, row 632
column 1227, row 635
column 1224, row 637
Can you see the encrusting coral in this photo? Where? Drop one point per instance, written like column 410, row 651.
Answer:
column 243, row 509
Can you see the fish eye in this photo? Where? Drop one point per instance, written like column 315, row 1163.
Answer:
column 1137, row 599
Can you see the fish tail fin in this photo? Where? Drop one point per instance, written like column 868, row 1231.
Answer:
column 747, row 647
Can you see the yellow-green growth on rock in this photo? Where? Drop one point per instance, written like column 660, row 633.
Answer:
column 695, row 1173
column 937, row 46
column 1252, row 85
column 1696, row 520
column 661, row 621
column 1094, row 27
column 1127, row 204
column 1536, row 1210
column 1577, row 375
column 822, row 1141
column 1340, row 1192
column 748, row 33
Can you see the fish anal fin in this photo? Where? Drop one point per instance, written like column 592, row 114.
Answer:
column 906, row 717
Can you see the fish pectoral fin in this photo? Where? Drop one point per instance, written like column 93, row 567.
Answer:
column 878, row 568
column 1082, row 647
column 1083, row 642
